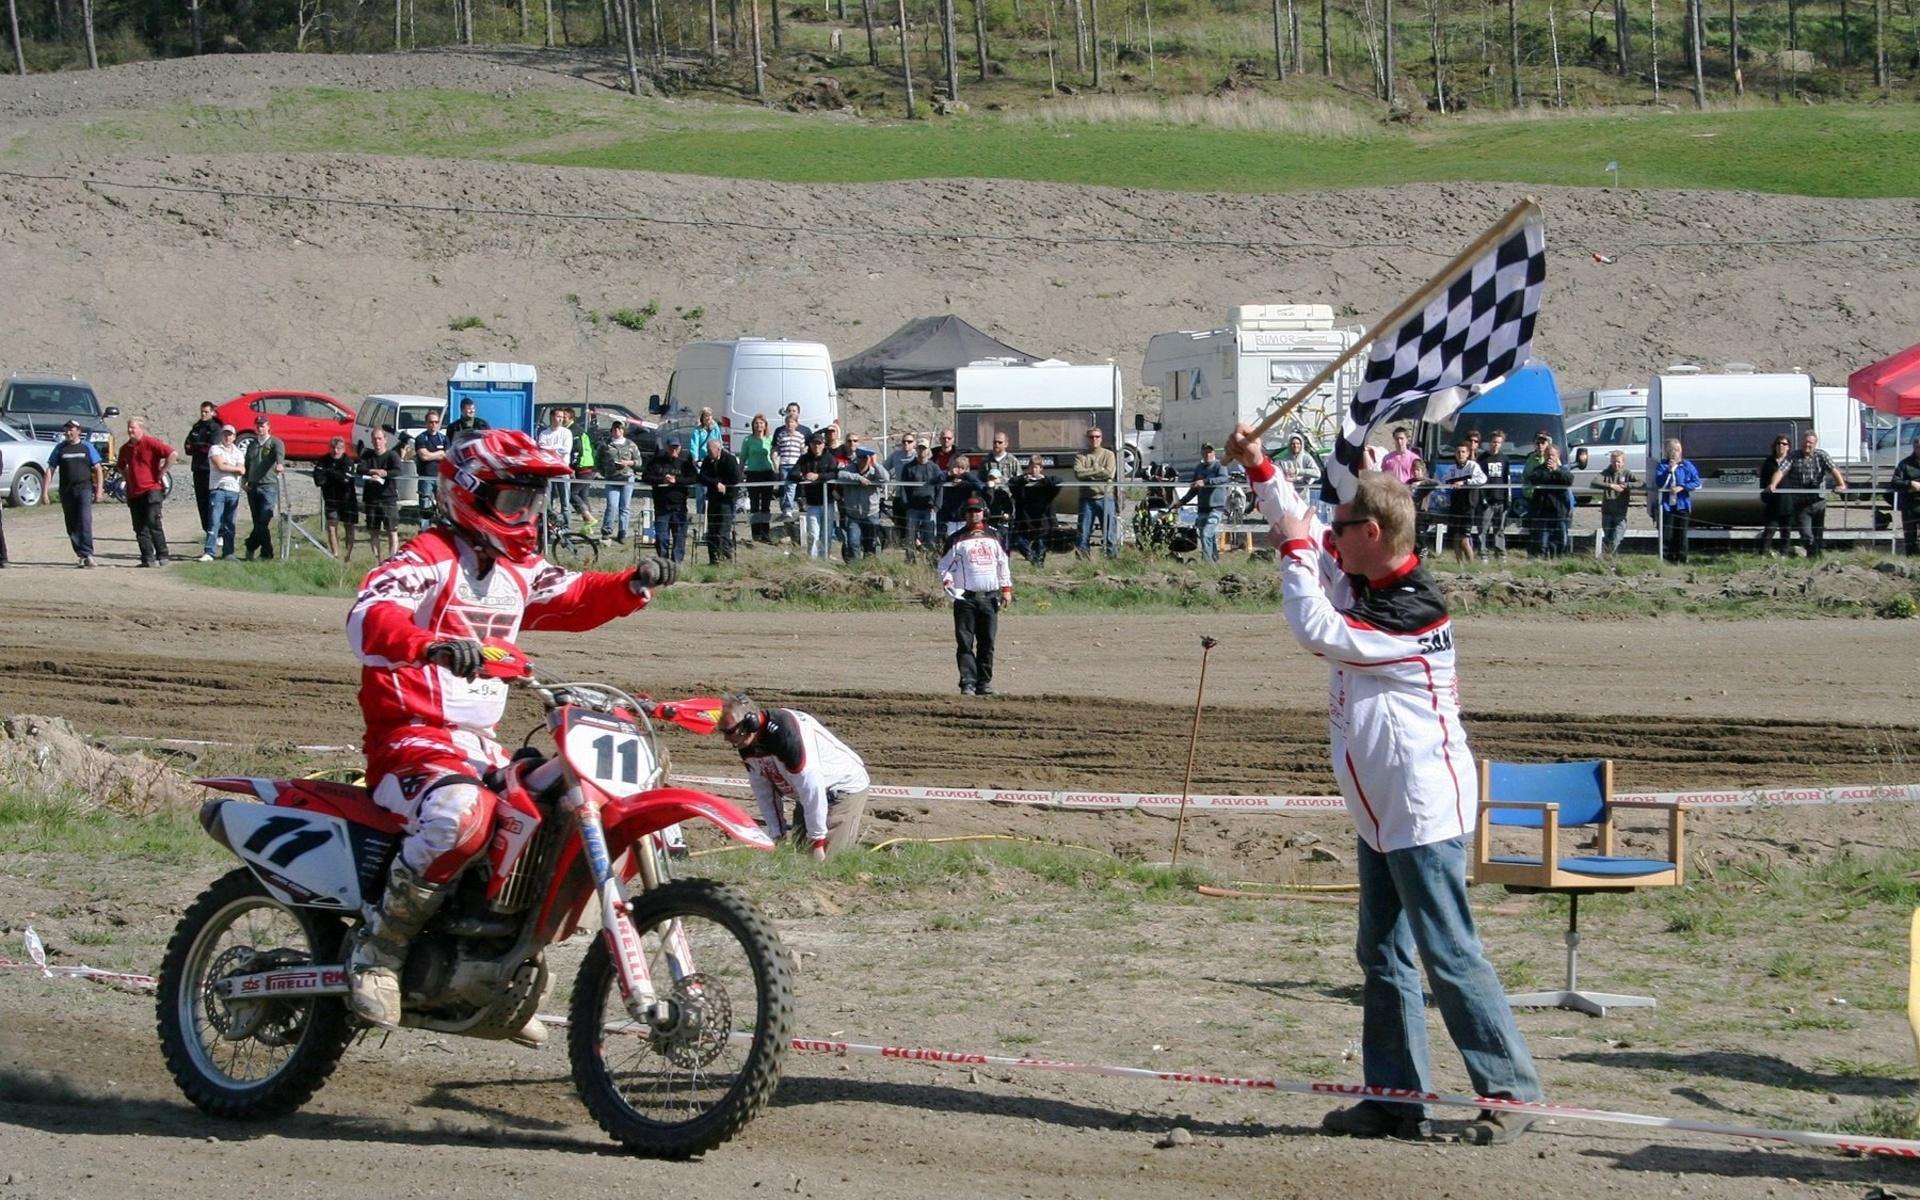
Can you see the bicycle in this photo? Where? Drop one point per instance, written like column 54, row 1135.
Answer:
column 565, row 545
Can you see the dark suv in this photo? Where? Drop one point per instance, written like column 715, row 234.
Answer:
column 41, row 405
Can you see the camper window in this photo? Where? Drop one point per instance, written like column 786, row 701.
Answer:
column 1737, row 440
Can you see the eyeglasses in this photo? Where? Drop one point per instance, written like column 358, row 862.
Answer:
column 1783, row 442
column 1350, row 522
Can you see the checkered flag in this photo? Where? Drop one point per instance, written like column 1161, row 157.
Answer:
column 1476, row 326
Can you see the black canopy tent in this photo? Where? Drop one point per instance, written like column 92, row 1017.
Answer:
column 920, row 356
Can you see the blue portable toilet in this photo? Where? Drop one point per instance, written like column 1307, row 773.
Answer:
column 502, row 393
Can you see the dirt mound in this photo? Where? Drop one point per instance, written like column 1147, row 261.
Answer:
column 44, row 755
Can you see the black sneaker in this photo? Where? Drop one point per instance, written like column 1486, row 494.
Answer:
column 985, row 689
column 1495, row 1127
column 1371, row 1119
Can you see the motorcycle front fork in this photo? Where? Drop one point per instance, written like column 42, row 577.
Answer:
column 643, row 1002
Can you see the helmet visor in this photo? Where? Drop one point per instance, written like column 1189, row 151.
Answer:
column 517, row 502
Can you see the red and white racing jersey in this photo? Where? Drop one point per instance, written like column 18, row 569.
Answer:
column 433, row 591
column 1393, row 703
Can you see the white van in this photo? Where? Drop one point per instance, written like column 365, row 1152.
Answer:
column 744, row 376
column 405, row 415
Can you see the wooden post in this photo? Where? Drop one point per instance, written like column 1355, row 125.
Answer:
column 1193, row 742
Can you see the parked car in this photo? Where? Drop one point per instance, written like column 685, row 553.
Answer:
column 1598, row 434
column 405, row 415
column 600, row 419
column 305, row 421
column 40, row 405
column 23, row 466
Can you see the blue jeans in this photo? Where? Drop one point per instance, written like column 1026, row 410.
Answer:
column 1208, row 527
column 819, row 523
column 859, row 538
column 429, row 486
column 1418, row 897
column 670, row 534
column 923, row 532
column 619, row 508
column 222, row 508
column 262, row 499
column 1109, row 524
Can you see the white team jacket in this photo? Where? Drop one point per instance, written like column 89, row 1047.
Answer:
column 797, row 758
column 1399, row 750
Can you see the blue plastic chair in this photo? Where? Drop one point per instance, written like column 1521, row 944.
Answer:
column 1553, row 797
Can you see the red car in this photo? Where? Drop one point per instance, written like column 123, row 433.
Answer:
column 305, row 421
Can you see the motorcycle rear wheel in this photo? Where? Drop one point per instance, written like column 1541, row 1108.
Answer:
column 680, row 1091
column 285, row 1049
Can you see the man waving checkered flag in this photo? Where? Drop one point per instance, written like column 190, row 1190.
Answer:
column 1474, row 325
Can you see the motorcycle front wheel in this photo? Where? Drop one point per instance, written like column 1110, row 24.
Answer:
column 248, row 1059
column 680, row 1087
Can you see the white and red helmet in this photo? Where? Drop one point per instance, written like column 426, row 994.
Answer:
column 493, row 487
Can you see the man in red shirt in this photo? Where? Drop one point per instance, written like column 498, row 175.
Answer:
column 143, row 463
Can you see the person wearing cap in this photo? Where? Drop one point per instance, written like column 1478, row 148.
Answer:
column 82, row 478
column 920, row 492
column 976, row 574
column 142, row 462
column 226, row 463
column 814, row 473
column 860, row 484
column 266, row 467
column 621, row 462
column 721, row 476
column 671, row 475
column 1208, row 490
column 203, row 437
column 790, row 756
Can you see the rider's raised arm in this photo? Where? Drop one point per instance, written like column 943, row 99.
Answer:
column 573, row 601
column 386, row 627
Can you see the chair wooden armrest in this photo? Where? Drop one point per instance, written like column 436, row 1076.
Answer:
column 1534, row 805
column 1676, row 830
column 1549, row 830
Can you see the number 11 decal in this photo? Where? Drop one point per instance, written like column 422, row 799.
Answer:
column 604, row 748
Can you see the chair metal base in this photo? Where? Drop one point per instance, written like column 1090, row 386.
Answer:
column 1594, row 1004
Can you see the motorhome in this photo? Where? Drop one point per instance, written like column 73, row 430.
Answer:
column 1044, row 408
column 1727, row 421
column 1211, row 380
column 741, row 377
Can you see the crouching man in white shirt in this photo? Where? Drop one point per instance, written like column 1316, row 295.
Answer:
column 790, row 757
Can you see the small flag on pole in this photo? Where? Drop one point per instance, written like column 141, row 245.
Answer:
column 1613, row 166
column 1475, row 326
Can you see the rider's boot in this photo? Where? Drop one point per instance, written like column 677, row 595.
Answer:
column 378, row 949
column 533, row 1033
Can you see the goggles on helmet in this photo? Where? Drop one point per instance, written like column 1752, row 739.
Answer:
column 515, row 501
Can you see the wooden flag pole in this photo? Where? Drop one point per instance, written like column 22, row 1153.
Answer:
column 1193, row 741
column 1515, row 218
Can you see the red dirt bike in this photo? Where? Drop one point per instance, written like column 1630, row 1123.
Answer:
column 681, row 1012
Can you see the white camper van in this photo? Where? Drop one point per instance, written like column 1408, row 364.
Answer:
column 1211, row 380
column 744, row 376
column 1044, row 408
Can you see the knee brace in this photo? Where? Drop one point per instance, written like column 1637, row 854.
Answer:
column 450, row 828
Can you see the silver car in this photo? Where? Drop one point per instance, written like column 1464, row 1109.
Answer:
column 23, row 467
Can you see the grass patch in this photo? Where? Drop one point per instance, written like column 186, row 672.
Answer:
column 58, row 824
column 1888, row 1119
column 948, row 867
column 460, row 324
column 635, row 318
column 305, row 574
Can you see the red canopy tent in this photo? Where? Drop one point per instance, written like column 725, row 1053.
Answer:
column 1891, row 385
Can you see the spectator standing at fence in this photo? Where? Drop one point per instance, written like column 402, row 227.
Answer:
column 557, row 439
column 620, row 462
column 791, row 757
column 1551, row 509
column 1097, row 470
column 976, row 574
column 998, row 498
column 469, row 421
column 1904, row 491
column 671, row 475
column 379, row 470
column 227, row 463
column 944, row 451
column 1401, row 461
column 920, row 491
column 1615, row 484
column 960, row 486
column 1804, row 478
column 814, row 475
column 203, row 437
column 705, row 430
column 1460, row 483
column 1495, row 495
column 1674, row 482
column 1355, row 594
column 895, row 504
column 763, row 472
column 429, row 447
column 1776, row 520
column 337, row 476
column 143, row 461
column 81, row 477
column 1033, row 497
column 1001, row 459
column 721, row 475
column 789, row 443
column 266, row 467
column 861, row 484
column 1208, row 490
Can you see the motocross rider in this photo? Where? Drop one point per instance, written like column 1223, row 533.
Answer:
column 417, row 629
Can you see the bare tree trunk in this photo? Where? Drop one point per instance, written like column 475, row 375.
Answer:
column 980, row 35
column 778, row 34
column 1326, row 40
column 1053, row 62
column 1293, row 27
column 1793, row 27
column 93, row 52
column 1697, row 27
column 1439, row 65
column 950, row 43
column 659, row 38
column 1079, row 35
column 1279, row 53
column 606, row 22
column 1553, row 35
column 1387, row 55
column 20, row 53
column 1620, row 30
column 733, row 27
column 873, row 50
column 713, row 30
column 526, row 23
column 1882, row 77
column 199, row 27
column 906, row 59
column 759, row 65
column 1846, row 38
column 1094, row 6
column 1373, row 50
column 1148, row 6
column 1513, row 48
column 1653, row 44
column 549, row 38
column 633, row 60
column 1733, row 51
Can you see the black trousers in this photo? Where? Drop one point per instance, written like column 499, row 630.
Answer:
column 976, row 619
column 1673, row 534
column 203, row 492
column 148, row 530
column 760, row 504
column 3, row 542
column 1810, row 518
column 1909, row 535
column 719, row 529
column 76, row 503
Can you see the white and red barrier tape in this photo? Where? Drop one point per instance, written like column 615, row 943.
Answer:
column 1855, row 1143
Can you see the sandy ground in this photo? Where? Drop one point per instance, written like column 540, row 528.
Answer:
column 165, row 298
